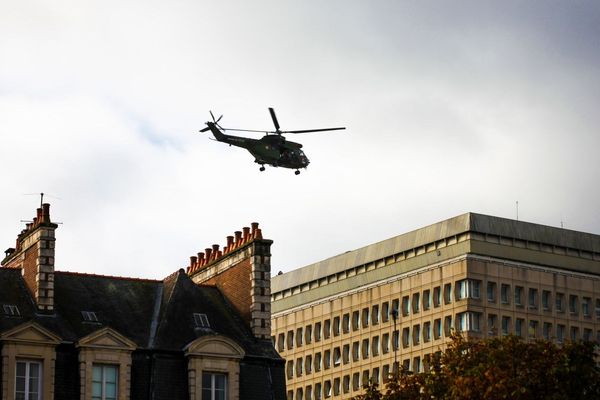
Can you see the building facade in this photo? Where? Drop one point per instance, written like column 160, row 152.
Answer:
column 66, row 335
column 365, row 313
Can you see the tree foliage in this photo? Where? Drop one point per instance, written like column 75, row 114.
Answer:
column 499, row 368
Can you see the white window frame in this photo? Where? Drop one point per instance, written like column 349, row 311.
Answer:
column 212, row 388
column 469, row 289
column 468, row 321
column 27, row 390
column 103, row 382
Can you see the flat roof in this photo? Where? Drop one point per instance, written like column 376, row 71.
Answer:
column 468, row 222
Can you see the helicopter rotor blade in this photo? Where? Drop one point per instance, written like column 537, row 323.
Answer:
column 205, row 129
column 274, row 118
column 212, row 115
column 218, row 119
column 246, row 130
column 314, row 130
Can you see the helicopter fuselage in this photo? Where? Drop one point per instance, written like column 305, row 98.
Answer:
column 272, row 150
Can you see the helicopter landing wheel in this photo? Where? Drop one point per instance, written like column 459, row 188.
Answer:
column 262, row 168
column 297, row 172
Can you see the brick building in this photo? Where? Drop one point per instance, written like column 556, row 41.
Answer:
column 360, row 315
column 197, row 334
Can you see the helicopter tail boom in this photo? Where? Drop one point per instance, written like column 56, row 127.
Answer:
column 229, row 139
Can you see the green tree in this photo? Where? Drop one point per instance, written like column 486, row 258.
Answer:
column 500, row 368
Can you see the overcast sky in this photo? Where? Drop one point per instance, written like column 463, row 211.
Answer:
column 450, row 107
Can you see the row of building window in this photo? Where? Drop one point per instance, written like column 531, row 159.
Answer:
column 538, row 246
column 470, row 288
column 105, row 378
column 433, row 330
column 338, row 385
column 28, row 381
column 355, row 382
column 407, row 305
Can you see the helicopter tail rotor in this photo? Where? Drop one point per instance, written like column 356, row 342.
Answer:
column 213, row 117
column 215, row 122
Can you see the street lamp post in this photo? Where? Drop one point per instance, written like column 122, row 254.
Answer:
column 396, row 338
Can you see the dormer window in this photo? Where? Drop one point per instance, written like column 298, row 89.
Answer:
column 201, row 320
column 11, row 310
column 89, row 316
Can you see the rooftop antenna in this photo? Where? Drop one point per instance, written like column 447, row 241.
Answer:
column 41, row 194
column 561, row 222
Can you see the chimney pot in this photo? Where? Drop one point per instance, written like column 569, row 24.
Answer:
column 229, row 241
column 208, row 253
column 258, row 234
column 200, row 256
column 39, row 214
column 246, row 232
column 46, row 212
column 193, row 261
column 254, row 227
column 238, row 237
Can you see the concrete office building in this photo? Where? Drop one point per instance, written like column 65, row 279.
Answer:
column 358, row 315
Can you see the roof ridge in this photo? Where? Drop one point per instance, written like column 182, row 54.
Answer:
column 108, row 276
column 155, row 322
column 172, row 274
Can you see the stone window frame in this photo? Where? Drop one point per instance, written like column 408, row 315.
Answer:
column 216, row 354
column 31, row 342
column 105, row 346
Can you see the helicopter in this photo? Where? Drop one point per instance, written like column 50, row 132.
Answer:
column 272, row 149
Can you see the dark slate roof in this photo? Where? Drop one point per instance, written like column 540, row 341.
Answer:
column 14, row 292
column 182, row 298
column 125, row 305
column 153, row 314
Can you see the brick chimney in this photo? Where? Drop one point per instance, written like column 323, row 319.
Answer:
column 242, row 272
column 34, row 255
